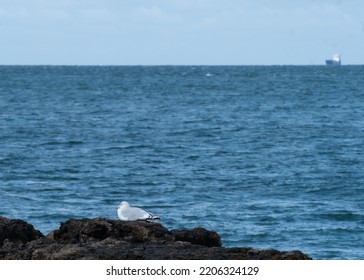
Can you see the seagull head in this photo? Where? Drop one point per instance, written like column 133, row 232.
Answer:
column 123, row 204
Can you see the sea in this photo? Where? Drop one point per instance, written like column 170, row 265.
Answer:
column 270, row 157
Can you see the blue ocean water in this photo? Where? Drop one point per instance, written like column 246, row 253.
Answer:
column 269, row 157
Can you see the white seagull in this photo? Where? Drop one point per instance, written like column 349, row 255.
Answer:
column 127, row 213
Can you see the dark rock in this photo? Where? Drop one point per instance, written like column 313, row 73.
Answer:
column 93, row 230
column 199, row 236
column 17, row 231
column 103, row 239
column 15, row 235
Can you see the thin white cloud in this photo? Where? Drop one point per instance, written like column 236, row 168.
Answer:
column 153, row 14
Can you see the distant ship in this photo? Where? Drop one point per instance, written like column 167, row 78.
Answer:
column 335, row 61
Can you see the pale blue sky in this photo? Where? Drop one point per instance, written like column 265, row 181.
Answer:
column 211, row 32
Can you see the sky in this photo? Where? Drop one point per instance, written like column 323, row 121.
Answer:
column 180, row 32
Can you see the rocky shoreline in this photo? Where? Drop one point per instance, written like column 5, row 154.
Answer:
column 105, row 239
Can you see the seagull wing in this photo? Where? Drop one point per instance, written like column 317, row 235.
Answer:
column 134, row 213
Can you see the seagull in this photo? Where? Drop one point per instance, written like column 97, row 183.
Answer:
column 127, row 213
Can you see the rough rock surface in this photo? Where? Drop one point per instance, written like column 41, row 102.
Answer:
column 17, row 231
column 104, row 239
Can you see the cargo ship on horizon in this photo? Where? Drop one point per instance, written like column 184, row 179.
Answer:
column 335, row 61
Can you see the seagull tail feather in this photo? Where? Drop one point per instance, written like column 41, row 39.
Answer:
column 152, row 217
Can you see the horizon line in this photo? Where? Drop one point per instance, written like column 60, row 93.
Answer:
column 170, row 65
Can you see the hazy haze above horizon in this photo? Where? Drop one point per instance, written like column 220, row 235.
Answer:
column 198, row 32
